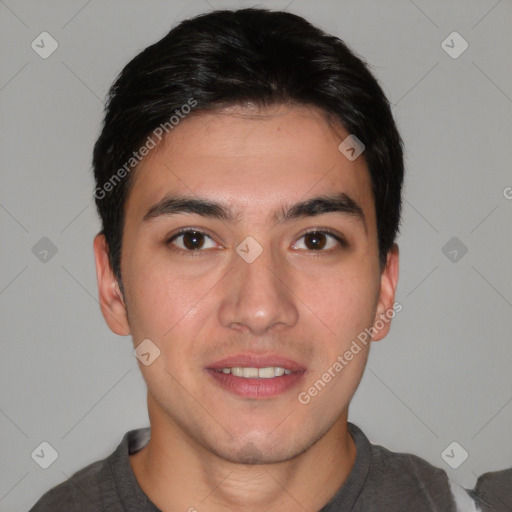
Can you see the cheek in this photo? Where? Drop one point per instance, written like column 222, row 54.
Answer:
column 342, row 302
column 168, row 310
column 163, row 299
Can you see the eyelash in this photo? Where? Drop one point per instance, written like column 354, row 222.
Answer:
column 200, row 252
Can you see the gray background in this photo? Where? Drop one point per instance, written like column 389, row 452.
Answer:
column 443, row 373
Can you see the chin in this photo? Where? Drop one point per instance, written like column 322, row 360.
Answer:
column 262, row 448
column 252, row 454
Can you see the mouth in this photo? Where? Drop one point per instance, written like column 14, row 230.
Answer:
column 256, row 376
column 268, row 372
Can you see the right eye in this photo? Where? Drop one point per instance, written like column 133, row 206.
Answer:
column 190, row 240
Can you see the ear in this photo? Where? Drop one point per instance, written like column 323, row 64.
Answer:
column 111, row 299
column 388, row 284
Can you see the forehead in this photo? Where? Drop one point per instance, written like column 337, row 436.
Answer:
column 255, row 160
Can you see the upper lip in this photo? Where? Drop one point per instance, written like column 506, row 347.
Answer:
column 254, row 360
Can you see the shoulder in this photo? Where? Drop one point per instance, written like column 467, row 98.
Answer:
column 398, row 481
column 412, row 482
column 102, row 485
column 402, row 481
column 409, row 478
column 79, row 493
column 494, row 491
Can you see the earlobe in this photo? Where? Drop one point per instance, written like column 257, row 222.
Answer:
column 388, row 283
column 111, row 299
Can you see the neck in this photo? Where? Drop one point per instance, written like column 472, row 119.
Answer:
column 176, row 473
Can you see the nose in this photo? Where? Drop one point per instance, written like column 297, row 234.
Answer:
column 257, row 296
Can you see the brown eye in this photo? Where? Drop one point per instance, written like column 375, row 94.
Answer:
column 191, row 240
column 319, row 241
column 315, row 241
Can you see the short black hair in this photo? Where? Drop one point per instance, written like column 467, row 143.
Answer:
column 246, row 56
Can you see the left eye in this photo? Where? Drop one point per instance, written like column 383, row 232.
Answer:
column 318, row 241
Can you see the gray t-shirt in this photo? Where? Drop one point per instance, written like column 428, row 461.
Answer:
column 380, row 481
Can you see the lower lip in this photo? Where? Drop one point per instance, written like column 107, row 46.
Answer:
column 256, row 388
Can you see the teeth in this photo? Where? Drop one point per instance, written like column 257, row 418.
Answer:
column 257, row 373
column 250, row 373
column 237, row 372
column 268, row 373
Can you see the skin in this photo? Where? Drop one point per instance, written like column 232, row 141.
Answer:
column 210, row 449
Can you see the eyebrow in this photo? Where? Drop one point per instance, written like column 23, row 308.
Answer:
column 336, row 203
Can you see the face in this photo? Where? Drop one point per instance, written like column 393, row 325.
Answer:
column 250, row 242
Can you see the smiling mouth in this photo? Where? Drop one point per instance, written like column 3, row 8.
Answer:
column 256, row 382
column 268, row 372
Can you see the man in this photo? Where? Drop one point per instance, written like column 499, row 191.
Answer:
column 249, row 179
